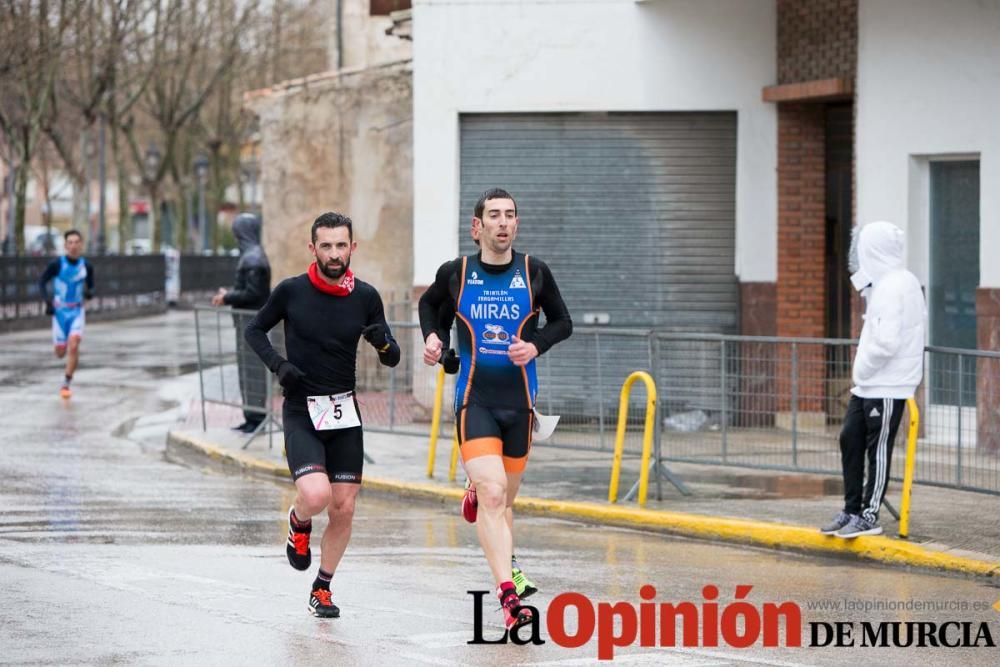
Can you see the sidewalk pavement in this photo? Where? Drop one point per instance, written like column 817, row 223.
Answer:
column 952, row 531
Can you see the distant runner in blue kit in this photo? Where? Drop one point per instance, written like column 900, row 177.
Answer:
column 497, row 296
column 72, row 280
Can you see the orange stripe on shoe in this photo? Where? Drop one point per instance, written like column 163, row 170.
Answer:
column 481, row 447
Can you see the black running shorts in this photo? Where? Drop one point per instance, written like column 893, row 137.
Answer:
column 497, row 431
column 340, row 453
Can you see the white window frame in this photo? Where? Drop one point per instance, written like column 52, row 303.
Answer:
column 938, row 419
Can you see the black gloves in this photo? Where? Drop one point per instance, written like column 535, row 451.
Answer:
column 49, row 308
column 289, row 375
column 88, row 294
column 450, row 361
column 377, row 336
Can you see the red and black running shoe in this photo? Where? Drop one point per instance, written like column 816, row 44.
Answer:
column 297, row 547
column 321, row 604
column 514, row 615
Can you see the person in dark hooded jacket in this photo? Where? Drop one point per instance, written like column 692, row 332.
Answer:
column 253, row 272
column 249, row 292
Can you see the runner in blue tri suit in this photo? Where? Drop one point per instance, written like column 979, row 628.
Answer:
column 72, row 280
column 496, row 296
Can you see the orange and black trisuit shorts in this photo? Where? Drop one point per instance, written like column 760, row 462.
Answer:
column 502, row 432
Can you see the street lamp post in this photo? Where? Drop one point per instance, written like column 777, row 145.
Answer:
column 89, row 151
column 102, row 233
column 201, row 173
column 152, row 168
column 8, row 241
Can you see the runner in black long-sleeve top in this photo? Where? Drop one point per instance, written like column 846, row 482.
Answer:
column 496, row 296
column 326, row 313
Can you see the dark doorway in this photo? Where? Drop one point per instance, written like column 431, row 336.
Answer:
column 838, row 182
column 839, row 218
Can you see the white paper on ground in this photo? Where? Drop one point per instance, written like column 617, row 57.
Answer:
column 543, row 426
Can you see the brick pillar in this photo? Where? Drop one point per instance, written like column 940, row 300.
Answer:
column 801, row 306
column 988, row 370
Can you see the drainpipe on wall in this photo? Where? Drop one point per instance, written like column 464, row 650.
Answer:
column 340, row 34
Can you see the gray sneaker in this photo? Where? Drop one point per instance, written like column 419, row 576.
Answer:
column 838, row 522
column 859, row 526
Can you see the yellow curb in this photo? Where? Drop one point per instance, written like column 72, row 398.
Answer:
column 220, row 455
column 760, row 533
column 739, row 531
column 412, row 489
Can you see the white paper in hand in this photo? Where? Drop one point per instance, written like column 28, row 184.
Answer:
column 543, row 426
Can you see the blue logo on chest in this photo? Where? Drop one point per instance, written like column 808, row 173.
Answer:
column 495, row 305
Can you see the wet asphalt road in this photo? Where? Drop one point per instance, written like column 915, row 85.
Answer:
column 111, row 553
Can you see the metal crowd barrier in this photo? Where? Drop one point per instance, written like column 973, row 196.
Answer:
column 231, row 376
column 751, row 402
column 233, row 379
column 768, row 403
column 779, row 404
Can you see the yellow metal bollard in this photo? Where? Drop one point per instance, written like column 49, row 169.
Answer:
column 911, row 460
column 647, row 436
column 452, row 469
column 435, row 422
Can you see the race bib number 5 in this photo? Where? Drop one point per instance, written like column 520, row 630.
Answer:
column 332, row 412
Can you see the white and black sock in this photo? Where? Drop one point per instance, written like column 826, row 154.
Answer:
column 323, row 580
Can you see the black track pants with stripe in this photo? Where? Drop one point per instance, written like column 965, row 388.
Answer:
column 869, row 432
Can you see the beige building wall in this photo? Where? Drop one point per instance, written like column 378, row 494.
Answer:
column 341, row 142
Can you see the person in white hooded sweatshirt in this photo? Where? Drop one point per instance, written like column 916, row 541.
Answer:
column 888, row 367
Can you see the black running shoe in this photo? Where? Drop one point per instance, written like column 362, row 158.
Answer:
column 321, row 604
column 247, row 427
column 297, row 547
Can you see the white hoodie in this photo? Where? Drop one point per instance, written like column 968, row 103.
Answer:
column 889, row 362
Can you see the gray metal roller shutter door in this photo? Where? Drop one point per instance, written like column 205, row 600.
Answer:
column 634, row 213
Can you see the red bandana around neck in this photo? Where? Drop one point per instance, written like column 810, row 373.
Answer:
column 345, row 287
